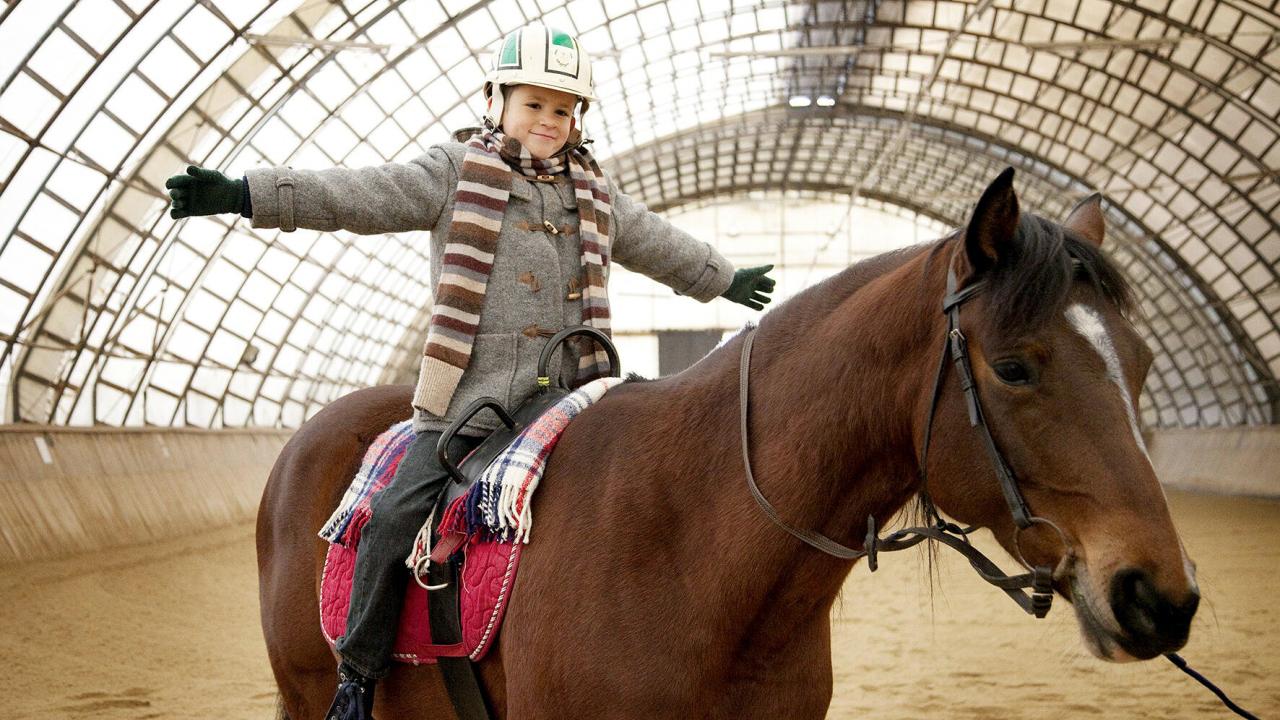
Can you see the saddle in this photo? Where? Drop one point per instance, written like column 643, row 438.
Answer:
column 452, row 617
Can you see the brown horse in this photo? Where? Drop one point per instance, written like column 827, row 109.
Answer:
column 657, row 588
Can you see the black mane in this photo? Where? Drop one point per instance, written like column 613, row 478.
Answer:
column 1032, row 280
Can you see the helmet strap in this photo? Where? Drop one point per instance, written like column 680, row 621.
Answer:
column 496, row 104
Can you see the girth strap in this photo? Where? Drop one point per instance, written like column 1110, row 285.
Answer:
column 444, row 614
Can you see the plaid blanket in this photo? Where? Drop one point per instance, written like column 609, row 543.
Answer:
column 376, row 471
column 498, row 505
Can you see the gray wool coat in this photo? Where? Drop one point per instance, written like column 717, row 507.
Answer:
column 532, row 289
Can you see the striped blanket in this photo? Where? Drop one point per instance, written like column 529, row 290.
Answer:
column 484, row 524
column 496, row 508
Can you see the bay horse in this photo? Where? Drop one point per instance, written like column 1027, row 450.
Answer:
column 657, row 588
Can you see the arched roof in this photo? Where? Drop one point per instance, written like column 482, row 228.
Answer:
column 110, row 312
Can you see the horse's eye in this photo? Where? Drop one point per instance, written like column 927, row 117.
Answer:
column 1012, row 372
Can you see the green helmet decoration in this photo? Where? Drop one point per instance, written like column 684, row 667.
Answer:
column 538, row 55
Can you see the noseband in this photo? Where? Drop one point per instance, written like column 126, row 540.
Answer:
column 1040, row 578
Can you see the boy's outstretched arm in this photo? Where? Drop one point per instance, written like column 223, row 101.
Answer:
column 646, row 243
column 396, row 197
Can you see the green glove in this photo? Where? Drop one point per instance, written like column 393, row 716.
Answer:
column 750, row 287
column 204, row 192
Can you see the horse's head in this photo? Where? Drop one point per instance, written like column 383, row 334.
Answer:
column 1058, row 368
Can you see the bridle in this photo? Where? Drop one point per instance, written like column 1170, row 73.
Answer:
column 1040, row 578
column 955, row 347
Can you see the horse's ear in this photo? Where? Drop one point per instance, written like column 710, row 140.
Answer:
column 994, row 222
column 1085, row 220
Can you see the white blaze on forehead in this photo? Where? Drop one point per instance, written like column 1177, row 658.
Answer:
column 1088, row 323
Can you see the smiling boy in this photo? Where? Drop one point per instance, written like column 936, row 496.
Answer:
column 524, row 227
column 539, row 118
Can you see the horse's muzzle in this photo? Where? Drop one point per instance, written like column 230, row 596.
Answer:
column 1151, row 622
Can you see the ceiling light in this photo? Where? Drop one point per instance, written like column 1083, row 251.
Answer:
column 826, row 101
column 799, row 101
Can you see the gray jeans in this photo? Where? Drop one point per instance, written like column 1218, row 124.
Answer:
column 381, row 578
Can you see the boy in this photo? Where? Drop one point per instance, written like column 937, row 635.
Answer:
column 524, row 225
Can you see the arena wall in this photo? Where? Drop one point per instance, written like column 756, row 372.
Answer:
column 72, row 490
column 1228, row 461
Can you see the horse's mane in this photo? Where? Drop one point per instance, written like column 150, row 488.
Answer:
column 1032, row 281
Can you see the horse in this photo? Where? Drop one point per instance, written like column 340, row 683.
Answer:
column 656, row 587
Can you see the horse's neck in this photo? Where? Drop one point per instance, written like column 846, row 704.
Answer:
column 834, row 404
column 836, row 393
column 836, row 379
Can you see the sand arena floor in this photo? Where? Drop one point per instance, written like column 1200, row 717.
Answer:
column 171, row 631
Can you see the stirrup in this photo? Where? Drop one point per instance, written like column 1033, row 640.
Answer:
column 421, row 569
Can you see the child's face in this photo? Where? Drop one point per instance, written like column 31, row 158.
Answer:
column 539, row 118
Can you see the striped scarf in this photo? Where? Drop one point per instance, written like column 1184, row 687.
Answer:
column 484, row 188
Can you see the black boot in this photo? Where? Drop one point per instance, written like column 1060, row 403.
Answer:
column 354, row 700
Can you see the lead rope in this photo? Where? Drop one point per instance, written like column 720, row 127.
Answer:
column 1182, row 665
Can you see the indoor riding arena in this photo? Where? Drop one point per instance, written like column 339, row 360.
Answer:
column 157, row 354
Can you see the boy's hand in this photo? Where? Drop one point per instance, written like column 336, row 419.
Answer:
column 750, row 287
column 204, row 192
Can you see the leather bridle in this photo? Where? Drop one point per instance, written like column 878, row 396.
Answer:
column 955, row 347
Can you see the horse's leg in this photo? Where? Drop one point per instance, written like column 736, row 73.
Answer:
column 288, row 559
column 791, row 681
column 307, row 479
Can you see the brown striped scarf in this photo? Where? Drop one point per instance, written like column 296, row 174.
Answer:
column 484, row 188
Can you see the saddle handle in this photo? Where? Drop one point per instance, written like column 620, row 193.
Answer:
column 442, row 445
column 544, row 379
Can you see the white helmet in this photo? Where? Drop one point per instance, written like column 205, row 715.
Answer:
column 542, row 56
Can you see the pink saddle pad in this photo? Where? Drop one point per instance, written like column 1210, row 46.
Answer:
column 488, row 573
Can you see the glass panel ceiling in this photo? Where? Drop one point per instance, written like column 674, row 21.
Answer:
column 112, row 313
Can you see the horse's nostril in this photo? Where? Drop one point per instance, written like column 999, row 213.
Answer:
column 1134, row 601
column 1153, row 622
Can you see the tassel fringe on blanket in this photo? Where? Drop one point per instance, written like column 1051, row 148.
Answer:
column 499, row 505
column 376, row 471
